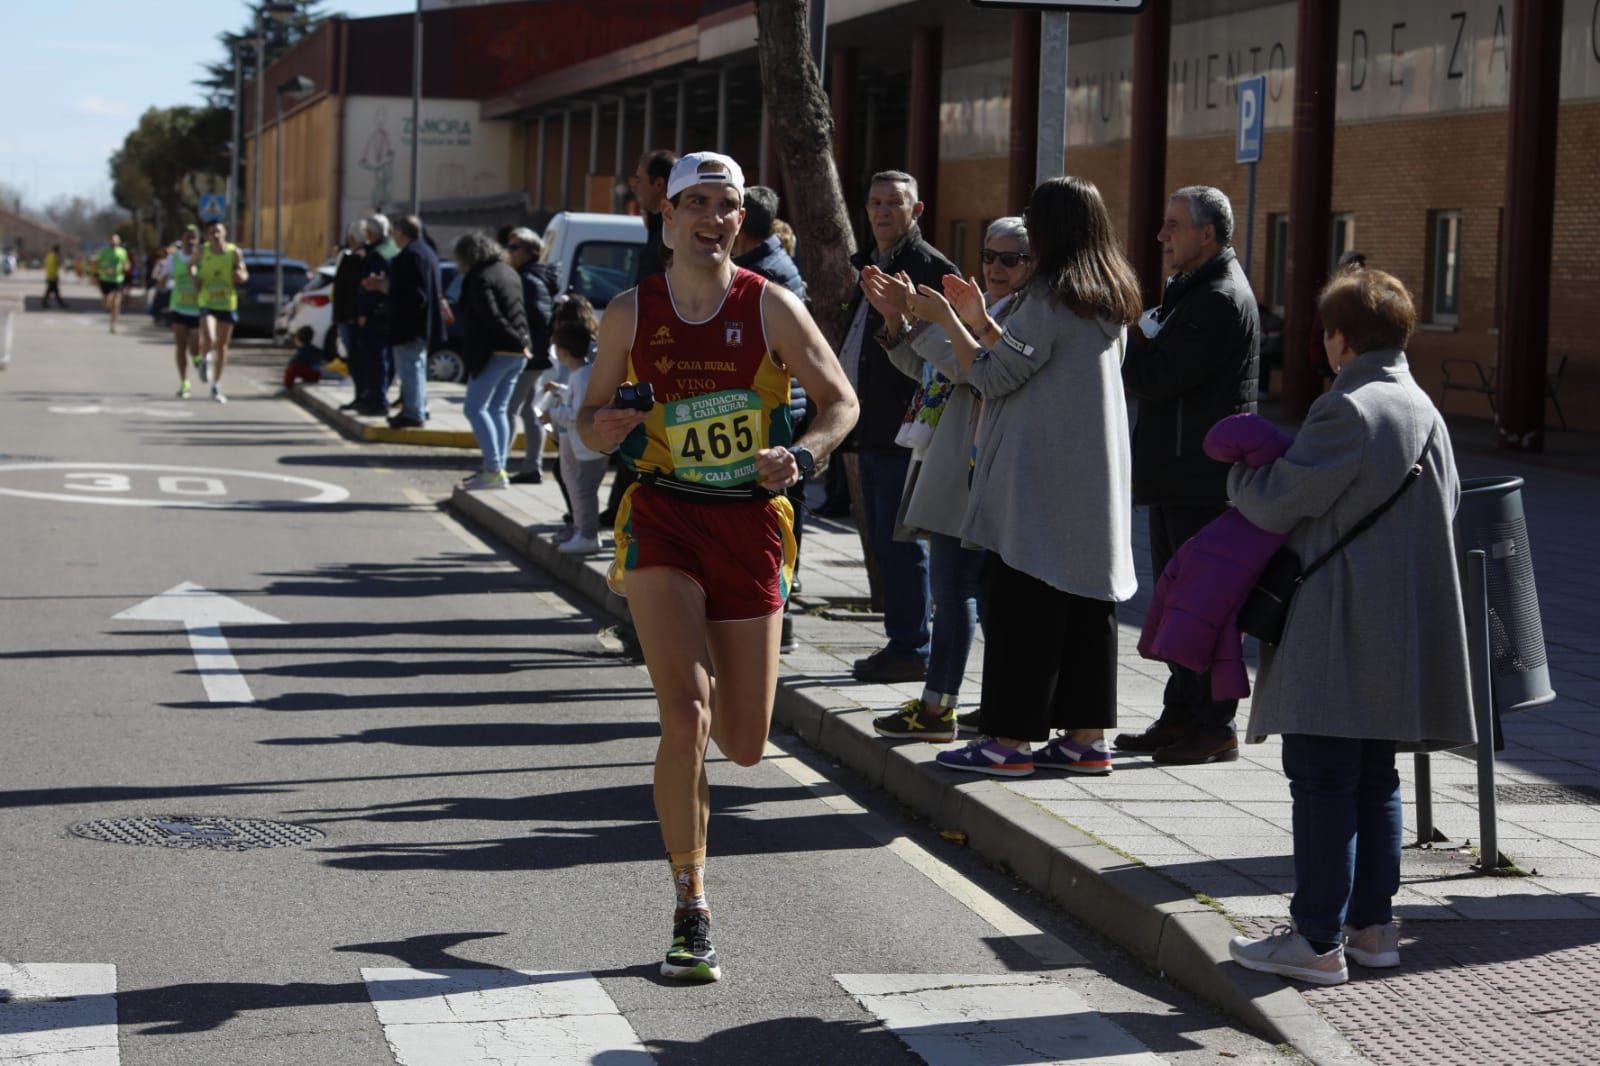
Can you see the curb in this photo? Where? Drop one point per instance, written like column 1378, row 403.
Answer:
column 356, row 428
column 1156, row 919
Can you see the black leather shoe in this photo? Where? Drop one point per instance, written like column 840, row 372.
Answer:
column 351, row 406
column 1152, row 740
column 1200, row 745
column 402, row 422
column 884, row 667
column 527, row 477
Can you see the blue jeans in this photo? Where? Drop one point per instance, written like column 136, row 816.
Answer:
column 488, row 397
column 1347, row 832
column 411, row 367
column 903, row 565
column 955, row 578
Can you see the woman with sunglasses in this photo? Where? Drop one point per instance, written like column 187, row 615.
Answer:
column 935, row 501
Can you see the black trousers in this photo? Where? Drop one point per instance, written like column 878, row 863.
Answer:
column 1187, row 700
column 1049, row 657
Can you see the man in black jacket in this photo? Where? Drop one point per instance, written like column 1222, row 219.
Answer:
column 416, row 324
column 649, row 184
column 1193, row 361
column 885, row 393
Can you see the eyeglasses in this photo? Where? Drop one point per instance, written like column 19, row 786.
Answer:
column 1009, row 260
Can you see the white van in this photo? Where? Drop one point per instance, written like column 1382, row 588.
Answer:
column 594, row 254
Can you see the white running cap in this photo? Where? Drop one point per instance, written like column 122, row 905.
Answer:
column 705, row 168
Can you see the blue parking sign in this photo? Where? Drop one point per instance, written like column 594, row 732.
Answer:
column 1252, row 119
column 213, row 207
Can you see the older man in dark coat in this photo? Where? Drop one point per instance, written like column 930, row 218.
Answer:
column 1193, row 361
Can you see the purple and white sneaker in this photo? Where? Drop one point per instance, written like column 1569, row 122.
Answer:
column 1063, row 754
column 988, row 756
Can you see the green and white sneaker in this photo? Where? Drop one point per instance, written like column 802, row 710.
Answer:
column 183, row 390
column 910, row 723
column 691, row 956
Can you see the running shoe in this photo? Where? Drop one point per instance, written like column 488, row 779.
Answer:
column 910, row 722
column 1377, row 946
column 1288, row 954
column 202, row 363
column 487, row 479
column 578, row 544
column 988, row 756
column 691, row 956
column 216, row 394
column 971, row 722
column 1063, row 754
column 183, row 390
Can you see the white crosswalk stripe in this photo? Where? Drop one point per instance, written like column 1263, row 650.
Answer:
column 58, row 1014
column 491, row 1017
column 993, row 1020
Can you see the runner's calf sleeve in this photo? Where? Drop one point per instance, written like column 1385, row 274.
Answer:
column 689, row 880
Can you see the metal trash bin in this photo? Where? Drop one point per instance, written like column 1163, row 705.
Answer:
column 1490, row 518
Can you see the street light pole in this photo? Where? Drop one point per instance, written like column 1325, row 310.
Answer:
column 416, row 111
column 255, row 157
column 233, row 147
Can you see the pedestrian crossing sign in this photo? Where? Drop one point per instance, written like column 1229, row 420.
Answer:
column 213, row 207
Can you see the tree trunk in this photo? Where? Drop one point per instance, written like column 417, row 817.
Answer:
column 802, row 133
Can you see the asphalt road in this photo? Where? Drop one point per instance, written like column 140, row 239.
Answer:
column 473, row 750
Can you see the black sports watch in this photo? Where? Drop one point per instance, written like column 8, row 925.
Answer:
column 804, row 460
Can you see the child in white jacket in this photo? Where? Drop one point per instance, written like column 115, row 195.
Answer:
column 582, row 468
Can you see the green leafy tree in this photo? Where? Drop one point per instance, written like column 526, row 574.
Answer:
column 167, row 161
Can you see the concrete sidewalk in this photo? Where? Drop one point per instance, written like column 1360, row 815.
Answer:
column 1172, row 862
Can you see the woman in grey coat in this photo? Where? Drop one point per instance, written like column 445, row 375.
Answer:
column 935, row 500
column 1374, row 653
column 1051, row 488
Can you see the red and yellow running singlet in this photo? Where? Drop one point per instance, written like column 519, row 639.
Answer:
column 720, row 399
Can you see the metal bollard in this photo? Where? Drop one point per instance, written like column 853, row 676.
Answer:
column 1477, row 604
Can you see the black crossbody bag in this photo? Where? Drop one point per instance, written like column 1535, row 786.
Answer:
column 1266, row 610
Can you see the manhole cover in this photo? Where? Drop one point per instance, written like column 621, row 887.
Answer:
column 1588, row 795
column 191, row 831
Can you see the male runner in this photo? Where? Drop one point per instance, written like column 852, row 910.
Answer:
column 184, row 308
column 111, row 267
column 52, row 278
column 704, row 541
column 220, row 271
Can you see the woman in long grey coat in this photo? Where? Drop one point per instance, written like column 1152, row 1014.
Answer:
column 1374, row 653
column 935, row 500
column 1051, row 488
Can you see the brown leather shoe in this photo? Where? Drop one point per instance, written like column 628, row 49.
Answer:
column 1159, row 735
column 1199, row 746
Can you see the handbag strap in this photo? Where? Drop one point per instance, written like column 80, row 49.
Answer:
column 1366, row 523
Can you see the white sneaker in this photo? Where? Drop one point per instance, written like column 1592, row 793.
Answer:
column 487, row 479
column 1377, row 946
column 1288, row 954
column 216, row 394
column 579, row 545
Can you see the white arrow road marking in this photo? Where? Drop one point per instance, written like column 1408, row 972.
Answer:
column 491, row 1016
column 993, row 1019
column 58, row 1014
column 203, row 614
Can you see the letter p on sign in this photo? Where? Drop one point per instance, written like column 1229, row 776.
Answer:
column 1252, row 119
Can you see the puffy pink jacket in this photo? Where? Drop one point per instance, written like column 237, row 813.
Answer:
column 1193, row 612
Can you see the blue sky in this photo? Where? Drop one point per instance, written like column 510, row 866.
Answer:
column 76, row 74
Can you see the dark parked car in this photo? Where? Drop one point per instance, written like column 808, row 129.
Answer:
column 258, row 296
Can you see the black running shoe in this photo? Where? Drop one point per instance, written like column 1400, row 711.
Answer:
column 691, row 956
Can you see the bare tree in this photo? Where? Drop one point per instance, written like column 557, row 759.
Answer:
column 802, row 130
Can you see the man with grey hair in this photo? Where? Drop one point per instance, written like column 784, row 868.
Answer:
column 369, row 358
column 885, row 394
column 1193, row 362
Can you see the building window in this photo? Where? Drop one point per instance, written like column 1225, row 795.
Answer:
column 1277, row 262
column 1343, row 237
column 1444, row 267
column 958, row 245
